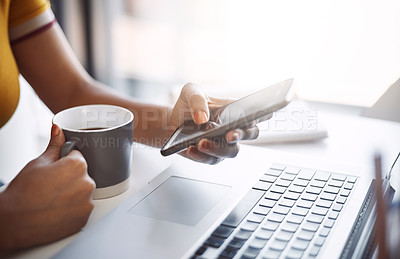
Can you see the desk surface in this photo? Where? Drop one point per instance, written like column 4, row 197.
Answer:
column 352, row 141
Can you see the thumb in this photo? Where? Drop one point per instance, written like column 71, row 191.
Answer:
column 197, row 102
column 57, row 140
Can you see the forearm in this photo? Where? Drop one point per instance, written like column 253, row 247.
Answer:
column 48, row 63
column 151, row 125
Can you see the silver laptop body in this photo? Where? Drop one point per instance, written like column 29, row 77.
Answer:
column 179, row 211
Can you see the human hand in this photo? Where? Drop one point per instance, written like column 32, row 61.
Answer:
column 193, row 103
column 48, row 200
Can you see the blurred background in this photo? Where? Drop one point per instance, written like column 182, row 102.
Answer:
column 338, row 51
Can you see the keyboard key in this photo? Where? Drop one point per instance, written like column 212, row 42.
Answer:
column 281, row 210
column 300, row 244
column 317, row 183
column 258, row 243
column 323, row 204
column 261, row 210
column 331, row 189
column 278, row 166
column 243, row 208
column 228, row 252
column 296, row 189
column 215, row 242
column 264, row 233
column 335, row 183
column 272, row 196
column 306, row 174
column 267, row 203
column 289, row 177
column 337, row 207
column 339, row 177
column 236, row 243
column 256, row 218
column 304, row 204
column 294, row 254
column 348, row 186
column 268, row 178
column 315, row 218
column 341, row 200
column 319, row 211
column 314, row 251
column 305, row 235
column 249, row 226
column 292, row 170
column 313, row 190
column 329, row 223
column 295, row 219
column 299, row 182
column 287, row 203
column 201, row 250
column 270, row 225
column 273, row 172
column 319, row 241
column 277, row 189
column 271, row 254
column 333, row 215
column 322, row 176
column 324, row 232
column 309, row 197
column 262, row 186
column 250, row 253
column 244, row 235
column 327, row 196
column 275, row 217
column 278, row 245
column 299, row 211
column 223, row 231
column 289, row 227
column 351, row 179
column 292, row 196
column 345, row 193
column 284, row 236
column 309, row 226
column 283, row 183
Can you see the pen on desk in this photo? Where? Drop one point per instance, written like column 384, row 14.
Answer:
column 380, row 223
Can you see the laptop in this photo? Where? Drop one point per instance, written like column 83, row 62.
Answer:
column 262, row 204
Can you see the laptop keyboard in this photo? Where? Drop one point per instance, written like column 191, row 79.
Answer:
column 289, row 213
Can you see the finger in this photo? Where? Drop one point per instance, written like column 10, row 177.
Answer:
column 218, row 102
column 57, row 140
column 197, row 102
column 218, row 148
column 194, row 154
column 234, row 136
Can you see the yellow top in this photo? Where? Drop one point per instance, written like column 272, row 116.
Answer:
column 18, row 20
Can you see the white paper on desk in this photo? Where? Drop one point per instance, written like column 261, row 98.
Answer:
column 297, row 122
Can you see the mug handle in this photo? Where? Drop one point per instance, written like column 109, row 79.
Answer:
column 70, row 145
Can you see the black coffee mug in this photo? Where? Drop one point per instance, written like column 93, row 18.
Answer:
column 104, row 136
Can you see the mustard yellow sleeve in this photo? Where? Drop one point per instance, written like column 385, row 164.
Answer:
column 23, row 10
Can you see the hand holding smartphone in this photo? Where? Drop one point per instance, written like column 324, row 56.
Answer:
column 241, row 113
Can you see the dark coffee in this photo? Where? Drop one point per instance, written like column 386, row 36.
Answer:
column 93, row 129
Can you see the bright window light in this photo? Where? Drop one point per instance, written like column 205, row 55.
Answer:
column 337, row 51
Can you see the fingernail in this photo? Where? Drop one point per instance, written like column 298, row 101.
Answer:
column 205, row 144
column 55, row 130
column 235, row 136
column 201, row 117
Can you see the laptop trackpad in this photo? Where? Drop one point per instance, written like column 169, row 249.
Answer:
column 180, row 200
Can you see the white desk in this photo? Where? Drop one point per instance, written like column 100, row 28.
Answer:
column 352, row 141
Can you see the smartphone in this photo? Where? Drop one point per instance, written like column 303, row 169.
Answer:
column 241, row 113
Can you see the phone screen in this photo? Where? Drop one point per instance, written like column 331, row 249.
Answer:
column 238, row 114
